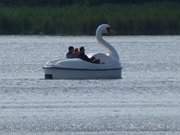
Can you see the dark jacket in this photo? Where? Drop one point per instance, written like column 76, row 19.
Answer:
column 70, row 55
column 84, row 57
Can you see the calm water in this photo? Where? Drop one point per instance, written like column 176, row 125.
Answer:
column 145, row 102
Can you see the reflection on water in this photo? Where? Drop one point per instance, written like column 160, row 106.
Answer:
column 145, row 101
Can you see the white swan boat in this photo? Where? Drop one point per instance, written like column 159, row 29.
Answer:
column 109, row 68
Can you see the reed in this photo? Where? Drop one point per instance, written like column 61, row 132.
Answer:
column 148, row 19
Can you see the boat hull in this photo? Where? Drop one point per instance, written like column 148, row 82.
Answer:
column 68, row 73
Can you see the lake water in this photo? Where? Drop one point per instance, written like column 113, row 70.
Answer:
column 145, row 102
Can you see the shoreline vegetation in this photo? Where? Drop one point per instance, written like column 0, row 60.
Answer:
column 126, row 19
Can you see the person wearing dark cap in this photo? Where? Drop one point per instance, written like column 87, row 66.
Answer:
column 70, row 53
column 83, row 56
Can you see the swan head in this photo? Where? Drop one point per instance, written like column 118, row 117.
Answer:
column 103, row 29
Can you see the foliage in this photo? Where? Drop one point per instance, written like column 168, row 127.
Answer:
column 73, row 2
column 151, row 18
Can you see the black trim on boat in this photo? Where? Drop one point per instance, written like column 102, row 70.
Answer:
column 81, row 69
column 48, row 76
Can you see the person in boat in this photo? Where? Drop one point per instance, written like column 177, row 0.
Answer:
column 70, row 53
column 77, row 52
column 94, row 60
column 83, row 56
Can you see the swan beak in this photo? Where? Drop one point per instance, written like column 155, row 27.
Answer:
column 109, row 30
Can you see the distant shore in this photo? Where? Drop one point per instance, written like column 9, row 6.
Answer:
column 127, row 19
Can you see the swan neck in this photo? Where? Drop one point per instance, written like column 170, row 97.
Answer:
column 112, row 51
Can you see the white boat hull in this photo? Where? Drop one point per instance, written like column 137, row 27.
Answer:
column 68, row 73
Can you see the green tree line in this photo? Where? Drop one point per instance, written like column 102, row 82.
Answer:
column 79, row 17
column 147, row 19
column 73, row 2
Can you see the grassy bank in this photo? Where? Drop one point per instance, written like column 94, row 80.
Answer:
column 126, row 19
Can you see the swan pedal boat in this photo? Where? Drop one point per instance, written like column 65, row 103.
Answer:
column 75, row 68
column 78, row 69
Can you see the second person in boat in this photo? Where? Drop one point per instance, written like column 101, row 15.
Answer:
column 83, row 56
